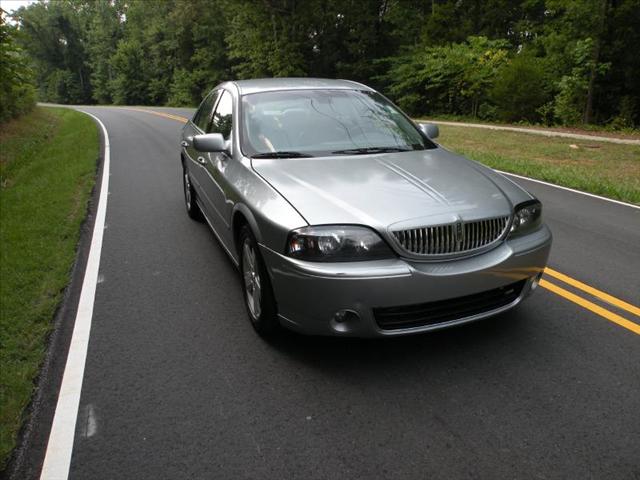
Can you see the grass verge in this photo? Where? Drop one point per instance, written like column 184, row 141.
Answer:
column 606, row 169
column 47, row 169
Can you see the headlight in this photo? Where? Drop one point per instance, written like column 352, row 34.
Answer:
column 336, row 243
column 527, row 218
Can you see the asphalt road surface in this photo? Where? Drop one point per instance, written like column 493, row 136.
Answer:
column 178, row 385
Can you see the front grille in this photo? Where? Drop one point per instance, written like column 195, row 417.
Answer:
column 453, row 238
column 432, row 313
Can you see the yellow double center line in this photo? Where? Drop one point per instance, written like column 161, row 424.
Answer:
column 178, row 118
column 591, row 306
column 544, row 283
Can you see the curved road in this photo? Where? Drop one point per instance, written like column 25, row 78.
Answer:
column 177, row 384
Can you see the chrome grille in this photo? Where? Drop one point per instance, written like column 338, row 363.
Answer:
column 453, row 238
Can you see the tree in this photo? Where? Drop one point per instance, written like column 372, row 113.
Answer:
column 104, row 31
column 202, row 49
column 129, row 84
column 266, row 39
column 52, row 35
column 574, row 41
column 451, row 78
column 464, row 57
column 17, row 91
column 574, row 101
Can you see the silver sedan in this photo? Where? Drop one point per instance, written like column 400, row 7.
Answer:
column 346, row 218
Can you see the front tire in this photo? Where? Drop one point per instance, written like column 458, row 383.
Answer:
column 193, row 210
column 256, row 286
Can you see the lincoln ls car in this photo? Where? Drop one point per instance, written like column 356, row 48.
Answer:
column 345, row 217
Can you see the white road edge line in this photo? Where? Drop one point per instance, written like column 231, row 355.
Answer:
column 569, row 189
column 57, row 460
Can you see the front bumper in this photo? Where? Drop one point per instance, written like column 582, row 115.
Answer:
column 310, row 294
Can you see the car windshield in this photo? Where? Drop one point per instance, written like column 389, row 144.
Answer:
column 303, row 123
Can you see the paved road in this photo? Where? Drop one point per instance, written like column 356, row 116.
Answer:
column 177, row 385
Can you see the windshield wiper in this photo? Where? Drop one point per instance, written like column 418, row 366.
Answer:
column 281, row 154
column 365, row 150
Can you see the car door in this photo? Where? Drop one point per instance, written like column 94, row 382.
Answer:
column 199, row 124
column 216, row 164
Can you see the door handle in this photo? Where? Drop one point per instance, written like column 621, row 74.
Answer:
column 201, row 160
column 184, row 144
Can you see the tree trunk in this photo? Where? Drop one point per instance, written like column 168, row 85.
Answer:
column 475, row 102
column 588, row 109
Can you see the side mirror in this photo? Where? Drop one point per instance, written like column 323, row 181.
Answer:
column 429, row 129
column 209, row 142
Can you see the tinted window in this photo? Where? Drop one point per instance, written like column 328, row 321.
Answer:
column 203, row 115
column 324, row 122
column 222, row 117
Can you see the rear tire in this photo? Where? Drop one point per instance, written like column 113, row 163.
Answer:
column 256, row 286
column 193, row 210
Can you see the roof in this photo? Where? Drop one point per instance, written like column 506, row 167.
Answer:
column 246, row 87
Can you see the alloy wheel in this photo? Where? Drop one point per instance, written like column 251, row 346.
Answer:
column 252, row 281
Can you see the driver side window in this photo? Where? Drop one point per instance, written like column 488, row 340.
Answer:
column 223, row 116
column 203, row 115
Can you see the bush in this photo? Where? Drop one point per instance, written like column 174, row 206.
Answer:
column 181, row 93
column 520, row 90
column 626, row 115
column 569, row 101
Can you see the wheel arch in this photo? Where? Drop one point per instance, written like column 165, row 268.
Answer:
column 242, row 216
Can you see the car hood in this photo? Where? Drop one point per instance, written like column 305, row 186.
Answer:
column 426, row 187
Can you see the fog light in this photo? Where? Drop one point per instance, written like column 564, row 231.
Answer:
column 343, row 316
column 536, row 281
column 344, row 321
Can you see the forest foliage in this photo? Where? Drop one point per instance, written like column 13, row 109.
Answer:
column 17, row 91
column 545, row 61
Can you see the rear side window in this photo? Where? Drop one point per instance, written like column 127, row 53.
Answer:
column 223, row 116
column 203, row 115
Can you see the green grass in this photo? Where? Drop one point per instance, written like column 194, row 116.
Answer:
column 47, row 169
column 606, row 169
